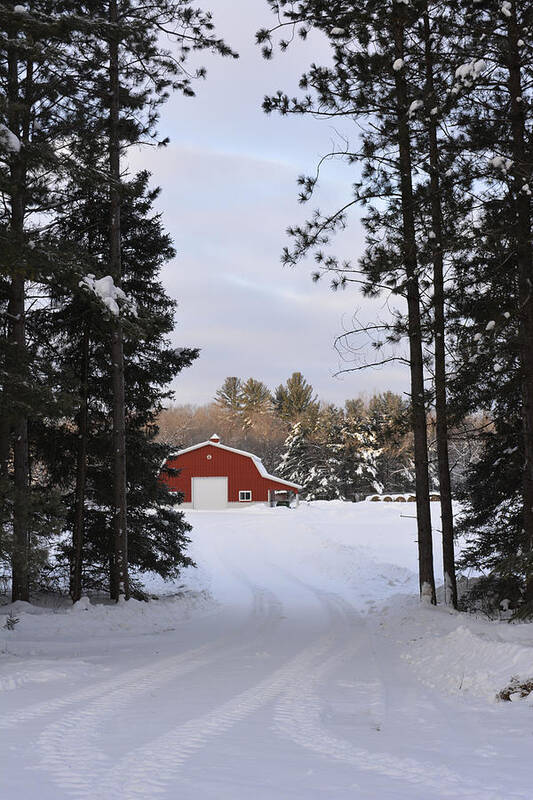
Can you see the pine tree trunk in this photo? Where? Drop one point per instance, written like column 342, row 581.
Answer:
column 441, row 406
column 120, row 580
column 20, row 589
column 76, row 565
column 524, row 254
column 5, row 444
column 423, row 512
column 17, row 337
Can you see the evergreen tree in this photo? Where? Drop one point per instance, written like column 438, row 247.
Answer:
column 435, row 35
column 505, row 28
column 494, row 369
column 54, row 69
column 488, row 376
column 138, row 73
column 389, row 423
column 38, row 90
column 326, row 478
column 359, row 466
column 295, row 399
column 229, row 396
column 78, row 333
column 371, row 76
column 296, row 459
column 256, row 400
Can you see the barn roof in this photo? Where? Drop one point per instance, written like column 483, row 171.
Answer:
column 257, row 461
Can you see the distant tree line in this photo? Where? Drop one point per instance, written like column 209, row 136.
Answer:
column 439, row 98
column 332, row 452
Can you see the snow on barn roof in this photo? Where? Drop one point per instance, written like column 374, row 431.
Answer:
column 214, row 441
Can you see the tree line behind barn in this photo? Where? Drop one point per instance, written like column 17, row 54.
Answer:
column 363, row 448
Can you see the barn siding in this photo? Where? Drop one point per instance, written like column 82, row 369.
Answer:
column 241, row 472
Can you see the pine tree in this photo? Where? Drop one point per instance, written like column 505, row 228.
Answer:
column 488, row 375
column 389, row 423
column 131, row 74
column 36, row 75
column 296, row 459
column 119, row 565
column 518, row 76
column 78, row 329
column 229, row 396
column 400, row 22
column 326, row 478
column 295, row 399
column 370, row 76
column 256, row 401
column 359, row 469
column 495, row 308
column 431, row 103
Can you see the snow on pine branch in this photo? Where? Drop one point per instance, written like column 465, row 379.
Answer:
column 506, row 8
column 501, row 163
column 109, row 294
column 467, row 73
column 8, row 139
column 414, row 107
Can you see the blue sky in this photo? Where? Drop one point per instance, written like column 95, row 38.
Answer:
column 229, row 191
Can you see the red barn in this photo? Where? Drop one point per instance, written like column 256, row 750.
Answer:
column 214, row 476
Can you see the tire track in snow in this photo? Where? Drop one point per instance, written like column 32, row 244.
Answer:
column 32, row 712
column 147, row 771
column 70, row 747
column 23, row 715
column 298, row 717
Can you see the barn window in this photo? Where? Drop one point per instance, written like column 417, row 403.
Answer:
column 245, row 496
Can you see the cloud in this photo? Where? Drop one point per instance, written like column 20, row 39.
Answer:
column 229, row 191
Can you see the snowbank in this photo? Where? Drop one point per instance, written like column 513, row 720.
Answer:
column 475, row 662
column 457, row 653
column 89, row 626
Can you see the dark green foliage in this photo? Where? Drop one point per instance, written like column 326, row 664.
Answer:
column 488, row 377
column 491, row 516
column 491, row 594
column 56, row 189
column 295, row 399
column 157, row 531
column 297, row 458
column 389, row 423
column 332, row 458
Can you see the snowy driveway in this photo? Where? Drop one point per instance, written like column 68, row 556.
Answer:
column 291, row 684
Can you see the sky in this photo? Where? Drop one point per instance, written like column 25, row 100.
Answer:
column 228, row 180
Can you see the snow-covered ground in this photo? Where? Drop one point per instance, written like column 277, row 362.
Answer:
column 294, row 664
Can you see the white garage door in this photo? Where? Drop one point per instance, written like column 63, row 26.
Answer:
column 209, row 493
